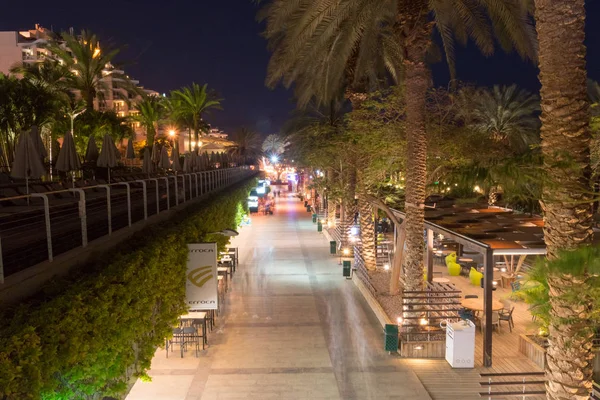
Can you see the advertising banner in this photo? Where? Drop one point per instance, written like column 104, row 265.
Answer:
column 201, row 284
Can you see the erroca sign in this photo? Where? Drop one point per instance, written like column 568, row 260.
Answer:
column 201, row 277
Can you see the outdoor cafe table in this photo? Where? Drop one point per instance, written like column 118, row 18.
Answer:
column 224, row 271
column 194, row 315
column 477, row 304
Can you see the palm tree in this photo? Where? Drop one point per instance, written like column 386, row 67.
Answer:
column 335, row 35
column 274, row 145
column 567, row 201
column 84, row 58
column 190, row 103
column 507, row 115
column 247, row 145
column 22, row 105
column 150, row 111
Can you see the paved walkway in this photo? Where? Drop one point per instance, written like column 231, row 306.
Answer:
column 293, row 328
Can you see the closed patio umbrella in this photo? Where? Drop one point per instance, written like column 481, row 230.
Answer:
column 91, row 153
column 147, row 165
column 187, row 163
column 164, row 162
column 155, row 153
column 27, row 163
column 108, row 154
column 130, row 153
column 38, row 143
column 68, row 160
column 175, row 159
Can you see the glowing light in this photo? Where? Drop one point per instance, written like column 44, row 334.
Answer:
column 323, row 221
column 346, row 252
column 423, row 321
column 386, row 267
column 193, row 144
column 494, row 283
column 171, row 133
column 274, row 159
column 503, row 269
column 419, row 347
column 400, row 320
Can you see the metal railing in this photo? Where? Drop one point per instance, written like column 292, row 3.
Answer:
column 39, row 226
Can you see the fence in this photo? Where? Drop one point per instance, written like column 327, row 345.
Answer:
column 52, row 220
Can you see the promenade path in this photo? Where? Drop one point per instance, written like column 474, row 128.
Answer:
column 292, row 328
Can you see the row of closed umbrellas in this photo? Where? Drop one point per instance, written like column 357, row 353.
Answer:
column 30, row 152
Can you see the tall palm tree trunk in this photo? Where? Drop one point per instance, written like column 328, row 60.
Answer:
column 566, row 200
column 331, row 209
column 367, row 233
column 343, row 227
column 417, row 33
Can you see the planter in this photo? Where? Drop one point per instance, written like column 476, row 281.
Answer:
column 532, row 350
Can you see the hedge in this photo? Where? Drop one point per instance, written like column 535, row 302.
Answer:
column 87, row 333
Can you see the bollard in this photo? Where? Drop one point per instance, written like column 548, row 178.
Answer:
column 390, row 341
column 332, row 247
column 314, row 217
column 319, row 227
column 346, row 269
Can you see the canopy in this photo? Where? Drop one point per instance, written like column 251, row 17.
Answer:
column 68, row 160
column 91, row 153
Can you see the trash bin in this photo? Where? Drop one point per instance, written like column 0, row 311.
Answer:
column 346, row 268
column 314, row 218
column 390, row 338
column 332, row 247
column 319, row 227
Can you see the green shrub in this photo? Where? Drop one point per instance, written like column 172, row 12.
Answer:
column 85, row 333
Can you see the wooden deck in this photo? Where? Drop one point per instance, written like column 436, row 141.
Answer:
column 443, row 382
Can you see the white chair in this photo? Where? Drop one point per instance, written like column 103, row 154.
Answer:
column 495, row 321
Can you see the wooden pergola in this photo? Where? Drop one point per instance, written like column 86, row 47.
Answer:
column 491, row 232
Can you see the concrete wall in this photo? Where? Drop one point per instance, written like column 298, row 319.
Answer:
column 10, row 53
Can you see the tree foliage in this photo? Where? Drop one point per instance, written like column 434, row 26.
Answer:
column 78, row 338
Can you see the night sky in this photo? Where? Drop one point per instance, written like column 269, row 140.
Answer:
column 169, row 44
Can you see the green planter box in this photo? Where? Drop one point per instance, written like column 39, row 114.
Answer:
column 390, row 340
column 314, row 216
column 319, row 227
column 346, row 269
column 332, row 247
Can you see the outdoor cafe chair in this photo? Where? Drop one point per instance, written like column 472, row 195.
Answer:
column 507, row 316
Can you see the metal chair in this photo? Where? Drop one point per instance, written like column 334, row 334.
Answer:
column 507, row 316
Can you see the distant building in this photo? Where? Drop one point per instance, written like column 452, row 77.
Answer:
column 217, row 133
column 30, row 46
